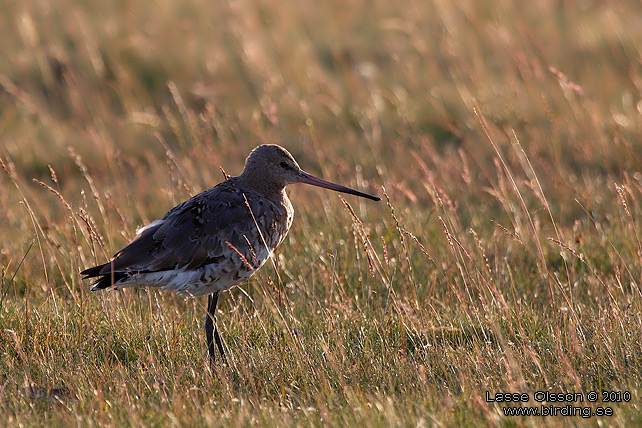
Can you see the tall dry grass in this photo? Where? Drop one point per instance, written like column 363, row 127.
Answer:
column 506, row 255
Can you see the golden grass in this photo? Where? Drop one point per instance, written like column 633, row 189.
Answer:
column 506, row 256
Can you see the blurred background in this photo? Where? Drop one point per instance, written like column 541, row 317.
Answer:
column 367, row 82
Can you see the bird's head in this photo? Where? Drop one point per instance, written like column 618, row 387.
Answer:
column 270, row 166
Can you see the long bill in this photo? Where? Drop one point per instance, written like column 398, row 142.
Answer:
column 306, row 178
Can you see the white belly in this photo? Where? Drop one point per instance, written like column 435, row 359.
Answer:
column 205, row 280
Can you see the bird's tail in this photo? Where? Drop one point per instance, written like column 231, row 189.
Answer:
column 105, row 277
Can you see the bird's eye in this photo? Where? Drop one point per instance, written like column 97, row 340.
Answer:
column 283, row 164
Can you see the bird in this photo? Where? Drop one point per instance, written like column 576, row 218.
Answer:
column 217, row 239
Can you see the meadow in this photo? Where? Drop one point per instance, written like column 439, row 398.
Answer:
column 504, row 137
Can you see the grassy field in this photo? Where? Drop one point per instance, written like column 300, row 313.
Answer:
column 506, row 256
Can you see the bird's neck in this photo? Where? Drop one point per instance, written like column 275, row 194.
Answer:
column 267, row 188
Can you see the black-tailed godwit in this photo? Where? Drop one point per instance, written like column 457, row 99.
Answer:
column 218, row 238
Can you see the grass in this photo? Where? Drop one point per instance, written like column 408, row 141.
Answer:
column 505, row 257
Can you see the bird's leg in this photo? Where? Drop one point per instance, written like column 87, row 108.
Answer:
column 211, row 330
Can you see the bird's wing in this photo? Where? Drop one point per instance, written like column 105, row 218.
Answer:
column 197, row 232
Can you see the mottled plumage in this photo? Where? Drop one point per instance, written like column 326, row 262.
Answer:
column 196, row 248
column 216, row 239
